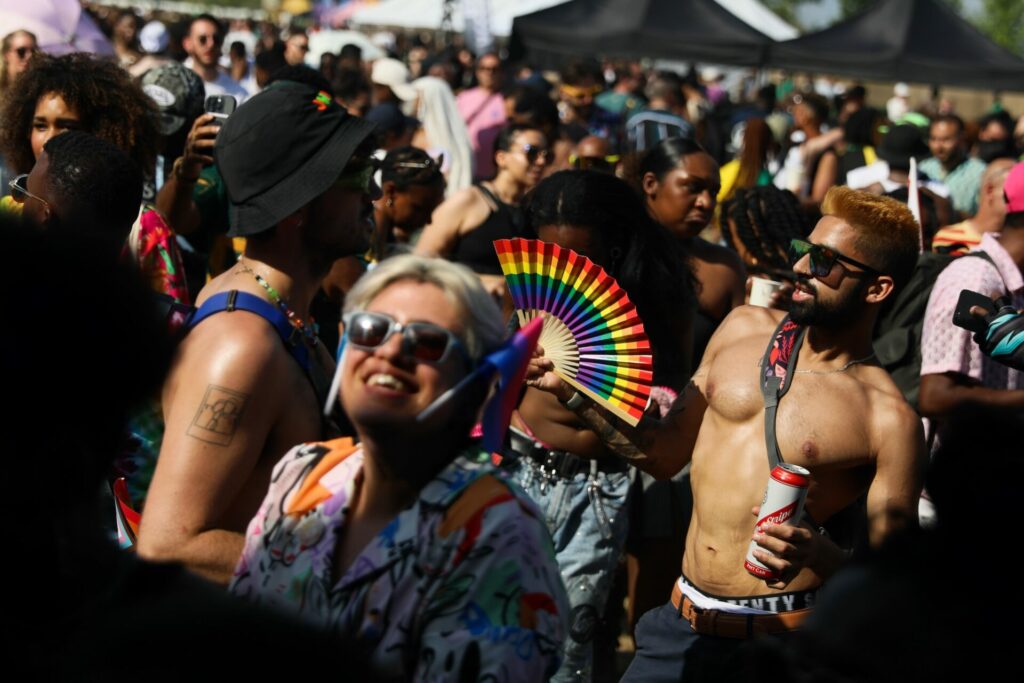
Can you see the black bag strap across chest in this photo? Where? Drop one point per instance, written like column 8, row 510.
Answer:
column 777, row 368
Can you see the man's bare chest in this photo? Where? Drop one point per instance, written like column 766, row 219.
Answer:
column 820, row 422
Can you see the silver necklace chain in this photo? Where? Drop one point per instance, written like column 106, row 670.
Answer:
column 838, row 370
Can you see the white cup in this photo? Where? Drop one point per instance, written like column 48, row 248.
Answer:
column 761, row 290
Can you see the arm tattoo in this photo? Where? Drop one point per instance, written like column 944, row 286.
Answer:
column 627, row 442
column 218, row 416
column 612, row 431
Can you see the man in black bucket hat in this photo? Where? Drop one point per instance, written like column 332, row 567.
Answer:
column 250, row 377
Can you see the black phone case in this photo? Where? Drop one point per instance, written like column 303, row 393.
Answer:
column 962, row 313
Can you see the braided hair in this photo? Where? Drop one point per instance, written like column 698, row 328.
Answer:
column 763, row 220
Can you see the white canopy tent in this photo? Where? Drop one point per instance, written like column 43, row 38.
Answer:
column 427, row 14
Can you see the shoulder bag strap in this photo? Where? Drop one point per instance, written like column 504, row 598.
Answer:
column 779, row 360
column 243, row 301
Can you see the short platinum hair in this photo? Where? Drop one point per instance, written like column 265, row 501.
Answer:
column 484, row 329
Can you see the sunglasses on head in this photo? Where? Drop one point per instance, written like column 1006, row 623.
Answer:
column 423, row 341
column 19, row 191
column 423, row 165
column 823, row 259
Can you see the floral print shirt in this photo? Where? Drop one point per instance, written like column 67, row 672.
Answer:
column 461, row 585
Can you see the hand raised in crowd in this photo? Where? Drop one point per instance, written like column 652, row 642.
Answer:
column 788, row 549
column 199, row 146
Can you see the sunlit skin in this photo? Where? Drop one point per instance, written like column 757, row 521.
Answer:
column 16, row 64
column 126, row 29
column 467, row 209
column 944, row 140
column 717, row 425
column 203, row 44
column 52, row 117
column 418, row 382
column 684, row 199
column 295, row 49
column 488, row 73
column 684, row 202
column 383, row 390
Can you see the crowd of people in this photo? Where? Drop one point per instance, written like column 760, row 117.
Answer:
column 280, row 280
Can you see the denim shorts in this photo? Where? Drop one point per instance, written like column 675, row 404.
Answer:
column 588, row 518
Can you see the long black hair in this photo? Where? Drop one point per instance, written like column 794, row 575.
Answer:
column 645, row 260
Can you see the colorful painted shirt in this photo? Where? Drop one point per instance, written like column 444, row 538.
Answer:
column 462, row 584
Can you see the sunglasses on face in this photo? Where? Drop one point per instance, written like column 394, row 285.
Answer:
column 423, row 341
column 214, row 39
column 823, row 259
column 24, row 51
column 19, row 191
column 534, row 153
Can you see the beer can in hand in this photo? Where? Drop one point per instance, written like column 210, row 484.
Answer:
column 783, row 503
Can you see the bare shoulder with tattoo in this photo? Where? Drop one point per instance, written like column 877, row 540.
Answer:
column 218, row 416
column 222, row 404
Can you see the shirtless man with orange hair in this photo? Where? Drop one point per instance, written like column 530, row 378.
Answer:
column 842, row 418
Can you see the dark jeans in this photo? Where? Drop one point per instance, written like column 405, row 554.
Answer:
column 669, row 650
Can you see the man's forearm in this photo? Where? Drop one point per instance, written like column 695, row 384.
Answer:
column 211, row 554
column 947, row 399
column 650, row 446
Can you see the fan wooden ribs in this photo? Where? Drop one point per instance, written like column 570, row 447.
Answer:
column 592, row 333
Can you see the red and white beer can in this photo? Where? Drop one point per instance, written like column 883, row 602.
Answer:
column 783, row 503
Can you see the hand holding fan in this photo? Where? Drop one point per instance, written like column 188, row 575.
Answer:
column 592, row 333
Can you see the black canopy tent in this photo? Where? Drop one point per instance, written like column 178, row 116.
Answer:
column 919, row 41
column 693, row 30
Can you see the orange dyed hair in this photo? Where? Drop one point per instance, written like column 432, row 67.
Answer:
column 886, row 233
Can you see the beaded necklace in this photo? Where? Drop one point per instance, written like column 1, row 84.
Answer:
column 308, row 331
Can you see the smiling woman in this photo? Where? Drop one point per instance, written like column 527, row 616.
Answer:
column 407, row 539
column 76, row 91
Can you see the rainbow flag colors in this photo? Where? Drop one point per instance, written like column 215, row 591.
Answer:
column 592, row 332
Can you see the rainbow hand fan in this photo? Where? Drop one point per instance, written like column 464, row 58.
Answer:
column 592, row 332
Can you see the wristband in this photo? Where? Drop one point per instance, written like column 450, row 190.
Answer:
column 574, row 403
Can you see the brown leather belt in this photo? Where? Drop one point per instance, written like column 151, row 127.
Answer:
column 713, row 622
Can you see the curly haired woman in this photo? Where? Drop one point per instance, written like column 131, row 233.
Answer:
column 76, row 91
